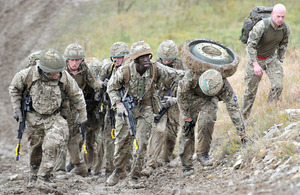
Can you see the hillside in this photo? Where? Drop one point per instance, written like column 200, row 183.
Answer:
column 271, row 165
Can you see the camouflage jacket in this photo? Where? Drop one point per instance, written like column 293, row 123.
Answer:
column 257, row 35
column 141, row 87
column 46, row 95
column 86, row 80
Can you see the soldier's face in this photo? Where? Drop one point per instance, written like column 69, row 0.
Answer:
column 119, row 60
column 278, row 17
column 167, row 62
column 73, row 64
column 52, row 75
column 144, row 60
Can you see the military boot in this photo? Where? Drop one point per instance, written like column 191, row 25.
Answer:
column 205, row 160
column 114, row 178
column 147, row 171
column 80, row 169
column 245, row 140
column 69, row 167
column 188, row 172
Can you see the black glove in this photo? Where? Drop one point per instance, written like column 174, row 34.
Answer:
column 188, row 128
column 17, row 114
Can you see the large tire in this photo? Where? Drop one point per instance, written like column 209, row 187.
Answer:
column 200, row 55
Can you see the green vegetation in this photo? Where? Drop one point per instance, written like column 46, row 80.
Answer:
column 98, row 24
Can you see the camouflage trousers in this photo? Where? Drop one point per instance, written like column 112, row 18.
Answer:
column 75, row 144
column 47, row 136
column 163, row 137
column 272, row 67
column 204, row 112
column 124, row 141
column 105, row 147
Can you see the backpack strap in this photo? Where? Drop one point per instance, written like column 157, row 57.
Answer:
column 29, row 79
column 126, row 74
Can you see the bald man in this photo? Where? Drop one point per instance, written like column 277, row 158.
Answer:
column 266, row 47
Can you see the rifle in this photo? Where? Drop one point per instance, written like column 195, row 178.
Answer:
column 163, row 109
column 128, row 104
column 25, row 107
column 83, row 134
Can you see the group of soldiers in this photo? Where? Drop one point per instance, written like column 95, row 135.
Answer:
column 131, row 106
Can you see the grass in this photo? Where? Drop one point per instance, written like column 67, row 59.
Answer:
column 98, row 24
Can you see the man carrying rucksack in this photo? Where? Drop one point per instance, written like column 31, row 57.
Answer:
column 266, row 36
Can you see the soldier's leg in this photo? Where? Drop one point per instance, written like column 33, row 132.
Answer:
column 99, row 148
column 275, row 73
column 143, row 132
column 54, row 140
column 186, row 147
column 156, row 143
column 205, row 127
column 109, row 145
column 122, row 151
column 251, row 82
column 35, row 138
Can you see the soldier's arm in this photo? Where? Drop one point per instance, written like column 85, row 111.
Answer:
column 168, row 76
column 184, row 88
column 17, row 86
column 254, row 37
column 115, row 83
column 283, row 44
column 228, row 96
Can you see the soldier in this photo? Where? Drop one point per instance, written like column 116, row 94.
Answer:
column 76, row 66
column 137, row 78
column 109, row 66
column 163, row 138
column 200, row 103
column 266, row 36
column 47, row 85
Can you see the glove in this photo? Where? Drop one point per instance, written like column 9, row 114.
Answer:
column 168, row 101
column 103, row 83
column 188, row 128
column 121, row 109
column 17, row 115
column 81, row 118
column 97, row 96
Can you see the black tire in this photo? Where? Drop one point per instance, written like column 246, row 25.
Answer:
column 200, row 55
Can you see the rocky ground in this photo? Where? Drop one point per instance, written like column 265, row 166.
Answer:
column 275, row 169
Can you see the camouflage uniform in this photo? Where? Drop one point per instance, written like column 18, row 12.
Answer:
column 163, row 138
column 141, row 88
column 88, row 84
column 106, row 143
column 46, row 128
column 203, row 109
column 262, row 43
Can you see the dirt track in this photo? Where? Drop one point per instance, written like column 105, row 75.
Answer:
column 27, row 26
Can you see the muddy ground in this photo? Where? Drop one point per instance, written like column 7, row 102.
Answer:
column 21, row 22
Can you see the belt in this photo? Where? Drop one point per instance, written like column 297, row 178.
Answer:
column 147, row 101
column 262, row 58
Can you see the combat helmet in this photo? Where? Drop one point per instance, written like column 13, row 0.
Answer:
column 211, row 82
column 51, row 61
column 74, row 51
column 167, row 50
column 119, row 49
column 140, row 48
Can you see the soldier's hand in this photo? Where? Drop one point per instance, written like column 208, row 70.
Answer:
column 17, row 115
column 82, row 118
column 168, row 101
column 97, row 96
column 121, row 109
column 258, row 71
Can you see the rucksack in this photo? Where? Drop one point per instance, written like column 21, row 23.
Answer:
column 257, row 14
